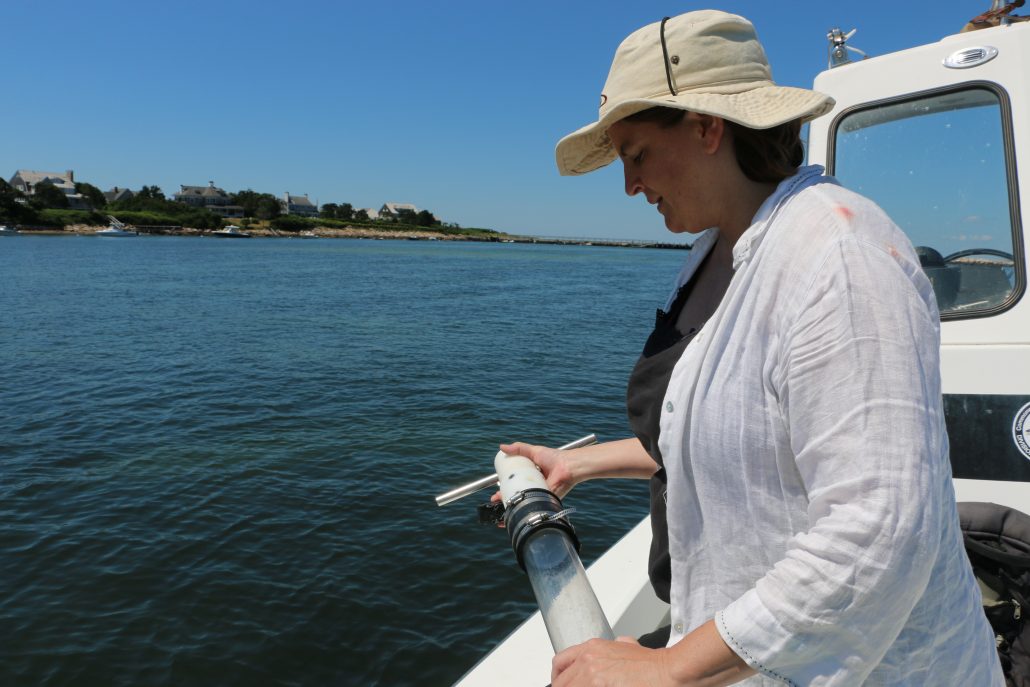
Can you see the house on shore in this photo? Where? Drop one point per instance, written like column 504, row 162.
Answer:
column 298, row 205
column 116, row 194
column 27, row 180
column 395, row 210
column 371, row 213
column 210, row 198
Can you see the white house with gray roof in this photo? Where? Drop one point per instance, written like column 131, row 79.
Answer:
column 210, row 198
column 27, row 180
column 116, row 194
column 393, row 210
column 298, row 205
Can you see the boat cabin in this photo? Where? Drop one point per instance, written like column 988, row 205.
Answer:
column 933, row 135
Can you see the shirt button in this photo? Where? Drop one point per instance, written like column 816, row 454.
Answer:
column 668, row 406
column 678, row 627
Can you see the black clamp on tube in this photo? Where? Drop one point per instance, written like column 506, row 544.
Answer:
column 532, row 510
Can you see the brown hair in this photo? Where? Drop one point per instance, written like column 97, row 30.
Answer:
column 764, row 155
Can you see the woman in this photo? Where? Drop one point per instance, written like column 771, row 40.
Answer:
column 790, row 396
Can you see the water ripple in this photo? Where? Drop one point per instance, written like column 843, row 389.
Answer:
column 217, row 461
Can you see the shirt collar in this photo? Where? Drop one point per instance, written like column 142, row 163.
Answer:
column 698, row 250
column 789, row 187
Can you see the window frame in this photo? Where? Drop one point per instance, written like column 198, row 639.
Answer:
column 1011, row 177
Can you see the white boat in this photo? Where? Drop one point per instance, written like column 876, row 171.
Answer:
column 8, row 231
column 116, row 232
column 230, row 232
column 932, row 134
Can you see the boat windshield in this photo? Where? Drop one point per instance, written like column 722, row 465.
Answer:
column 941, row 165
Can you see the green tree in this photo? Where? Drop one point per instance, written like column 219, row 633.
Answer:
column 254, row 204
column 268, row 207
column 248, row 200
column 150, row 206
column 14, row 207
column 151, row 192
column 150, row 199
column 406, row 216
column 292, row 223
column 93, row 194
column 329, row 211
column 425, row 219
column 201, row 219
column 360, row 216
column 345, row 212
column 47, row 195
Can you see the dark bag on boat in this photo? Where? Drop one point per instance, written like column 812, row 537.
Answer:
column 997, row 540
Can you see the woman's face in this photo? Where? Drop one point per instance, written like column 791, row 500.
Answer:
column 672, row 167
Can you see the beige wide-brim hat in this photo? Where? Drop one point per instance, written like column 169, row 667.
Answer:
column 708, row 62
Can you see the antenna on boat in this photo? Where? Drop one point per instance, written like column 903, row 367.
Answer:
column 838, row 49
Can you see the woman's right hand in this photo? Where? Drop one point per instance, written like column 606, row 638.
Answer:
column 565, row 469
column 552, row 463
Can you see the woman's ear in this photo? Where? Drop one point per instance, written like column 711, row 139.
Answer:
column 711, row 130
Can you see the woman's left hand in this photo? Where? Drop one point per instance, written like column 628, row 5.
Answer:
column 599, row 662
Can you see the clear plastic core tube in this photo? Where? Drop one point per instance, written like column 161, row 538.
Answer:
column 567, row 602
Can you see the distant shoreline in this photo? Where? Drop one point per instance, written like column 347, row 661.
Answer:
column 367, row 233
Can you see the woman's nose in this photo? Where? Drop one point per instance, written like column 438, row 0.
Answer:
column 633, row 185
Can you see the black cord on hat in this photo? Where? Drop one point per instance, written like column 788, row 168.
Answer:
column 665, row 54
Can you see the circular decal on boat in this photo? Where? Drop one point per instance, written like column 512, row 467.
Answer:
column 1021, row 431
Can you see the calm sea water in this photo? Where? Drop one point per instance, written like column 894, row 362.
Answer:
column 218, row 458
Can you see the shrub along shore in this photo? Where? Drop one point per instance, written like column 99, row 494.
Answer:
column 356, row 232
column 263, row 229
column 149, row 212
column 365, row 232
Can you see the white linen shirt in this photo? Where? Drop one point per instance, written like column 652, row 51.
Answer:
column 810, row 504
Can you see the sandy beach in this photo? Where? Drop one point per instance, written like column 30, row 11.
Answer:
column 367, row 233
column 318, row 232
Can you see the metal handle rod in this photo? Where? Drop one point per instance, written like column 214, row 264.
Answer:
column 490, row 480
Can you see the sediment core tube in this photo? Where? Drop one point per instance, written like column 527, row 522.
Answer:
column 545, row 547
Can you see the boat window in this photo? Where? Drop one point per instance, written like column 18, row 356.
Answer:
column 940, row 165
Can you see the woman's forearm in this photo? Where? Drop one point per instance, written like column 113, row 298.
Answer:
column 565, row 469
column 623, row 458
column 703, row 659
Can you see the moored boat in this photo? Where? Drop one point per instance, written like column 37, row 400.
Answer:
column 117, row 229
column 230, row 232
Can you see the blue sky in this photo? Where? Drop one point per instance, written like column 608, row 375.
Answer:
column 452, row 106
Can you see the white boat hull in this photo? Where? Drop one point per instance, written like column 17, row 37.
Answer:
column 116, row 234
